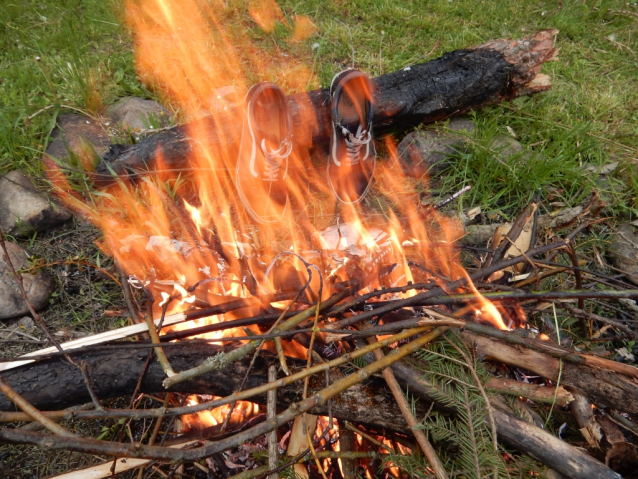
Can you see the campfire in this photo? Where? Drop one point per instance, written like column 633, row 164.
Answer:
column 186, row 239
column 281, row 328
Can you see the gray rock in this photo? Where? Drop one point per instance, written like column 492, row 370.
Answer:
column 624, row 250
column 461, row 123
column 135, row 113
column 426, row 151
column 22, row 325
column 38, row 286
column 506, row 146
column 23, row 209
column 81, row 135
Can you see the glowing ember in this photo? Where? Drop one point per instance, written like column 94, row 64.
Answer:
column 242, row 411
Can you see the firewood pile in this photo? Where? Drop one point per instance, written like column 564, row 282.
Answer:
column 342, row 343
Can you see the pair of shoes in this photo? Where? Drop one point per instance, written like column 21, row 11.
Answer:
column 266, row 145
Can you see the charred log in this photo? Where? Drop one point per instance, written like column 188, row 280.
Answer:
column 457, row 82
column 604, row 388
column 55, row 384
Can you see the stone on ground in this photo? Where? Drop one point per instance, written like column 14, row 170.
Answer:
column 506, row 146
column 23, row 209
column 624, row 250
column 134, row 113
column 38, row 286
column 80, row 135
column 426, row 151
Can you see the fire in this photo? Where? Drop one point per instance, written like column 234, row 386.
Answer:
column 173, row 229
column 182, row 228
column 242, row 411
column 487, row 311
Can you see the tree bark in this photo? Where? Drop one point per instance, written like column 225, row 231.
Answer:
column 54, row 384
column 459, row 81
column 604, row 388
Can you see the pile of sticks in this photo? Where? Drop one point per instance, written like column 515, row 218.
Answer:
column 70, row 377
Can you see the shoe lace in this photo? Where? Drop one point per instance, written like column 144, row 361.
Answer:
column 275, row 158
column 355, row 142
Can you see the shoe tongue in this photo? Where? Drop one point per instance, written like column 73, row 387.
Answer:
column 354, row 126
column 271, row 142
column 352, row 106
column 269, row 122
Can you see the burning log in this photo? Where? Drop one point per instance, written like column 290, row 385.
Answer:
column 459, row 81
column 55, row 384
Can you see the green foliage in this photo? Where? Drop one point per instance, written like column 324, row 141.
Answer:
column 464, row 442
column 502, row 182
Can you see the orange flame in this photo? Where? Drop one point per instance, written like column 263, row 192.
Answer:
column 174, row 229
column 242, row 411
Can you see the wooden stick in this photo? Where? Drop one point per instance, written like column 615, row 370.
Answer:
column 426, row 447
column 159, row 352
column 94, row 446
column 31, row 411
column 223, row 359
column 273, row 453
column 136, row 329
column 247, row 394
column 104, row 337
column 544, row 394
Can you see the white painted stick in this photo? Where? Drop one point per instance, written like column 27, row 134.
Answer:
column 97, row 339
column 104, row 470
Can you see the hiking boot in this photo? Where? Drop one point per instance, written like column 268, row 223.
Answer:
column 352, row 155
column 262, row 164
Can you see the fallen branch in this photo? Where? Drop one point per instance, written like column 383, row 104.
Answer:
column 171, row 320
column 527, row 438
column 459, row 81
column 43, row 383
column 546, row 394
column 32, row 412
column 402, row 402
column 603, row 386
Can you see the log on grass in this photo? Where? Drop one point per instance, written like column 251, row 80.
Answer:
column 54, row 384
column 459, row 81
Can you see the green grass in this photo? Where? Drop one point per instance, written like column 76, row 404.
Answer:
column 589, row 116
column 60, row 56
column 55, row 55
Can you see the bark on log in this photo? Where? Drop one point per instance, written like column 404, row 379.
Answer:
column 459, row 81
column 604, row 388
column 54, row 384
